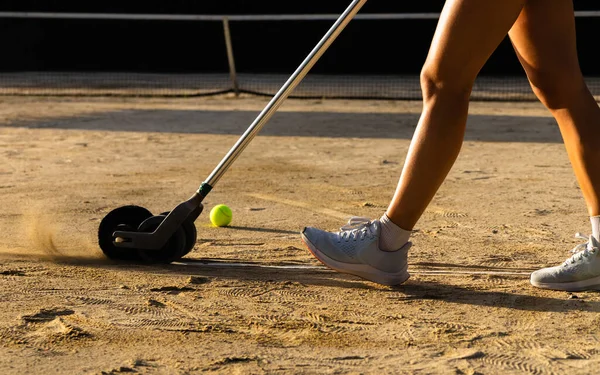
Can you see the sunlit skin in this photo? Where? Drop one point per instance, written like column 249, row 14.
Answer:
column 543, row 35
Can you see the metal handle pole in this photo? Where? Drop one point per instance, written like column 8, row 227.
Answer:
column 281, row 95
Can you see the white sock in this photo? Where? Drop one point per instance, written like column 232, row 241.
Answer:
column 595, row 227
column 392, row 237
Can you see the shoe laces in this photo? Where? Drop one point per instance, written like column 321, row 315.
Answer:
column 357, row 228
column 583, row 250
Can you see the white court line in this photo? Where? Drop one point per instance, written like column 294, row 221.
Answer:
column 308, row 267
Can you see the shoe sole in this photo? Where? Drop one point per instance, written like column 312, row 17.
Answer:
column 575, row 286
column 361, row 270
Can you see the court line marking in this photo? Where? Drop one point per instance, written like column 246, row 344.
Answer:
column 289, row 202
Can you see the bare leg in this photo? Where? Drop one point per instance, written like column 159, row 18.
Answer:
column 544, row 39
column 467, row 34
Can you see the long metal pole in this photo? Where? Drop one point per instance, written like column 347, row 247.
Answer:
column 282, row 94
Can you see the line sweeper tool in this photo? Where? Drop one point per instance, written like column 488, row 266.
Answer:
column 132, row 233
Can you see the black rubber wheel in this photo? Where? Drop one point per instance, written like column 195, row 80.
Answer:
column 127, row 218
column 171, row 251
column 191, row 235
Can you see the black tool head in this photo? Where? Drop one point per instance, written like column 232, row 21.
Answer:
column 126, row 218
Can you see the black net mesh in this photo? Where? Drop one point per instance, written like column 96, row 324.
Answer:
column 371, row 59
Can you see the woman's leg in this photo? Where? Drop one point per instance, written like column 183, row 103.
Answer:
column 467, row 33
column 544, row 39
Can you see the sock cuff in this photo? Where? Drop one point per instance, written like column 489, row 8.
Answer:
column 595, row 220
column 392, row 236
column 385, row 220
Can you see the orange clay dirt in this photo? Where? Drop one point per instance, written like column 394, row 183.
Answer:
column 249, row 299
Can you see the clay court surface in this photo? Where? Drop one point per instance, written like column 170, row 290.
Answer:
column 250, row 299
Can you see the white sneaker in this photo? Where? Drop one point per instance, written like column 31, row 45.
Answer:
column 355, row 250
column 579, row 272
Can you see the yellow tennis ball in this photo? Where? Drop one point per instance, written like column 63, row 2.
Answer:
column 220, row 215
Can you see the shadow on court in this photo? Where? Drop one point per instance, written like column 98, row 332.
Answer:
column 410, row 291
column 263, row 230
column 470, row 296
column 303, row 275
column 500, row 128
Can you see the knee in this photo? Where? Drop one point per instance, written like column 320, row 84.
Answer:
column 557, row 89
column 437, row 84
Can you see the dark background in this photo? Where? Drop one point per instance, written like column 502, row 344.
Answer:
column 365, row 47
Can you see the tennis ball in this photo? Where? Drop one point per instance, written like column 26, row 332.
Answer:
column 220, row 215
